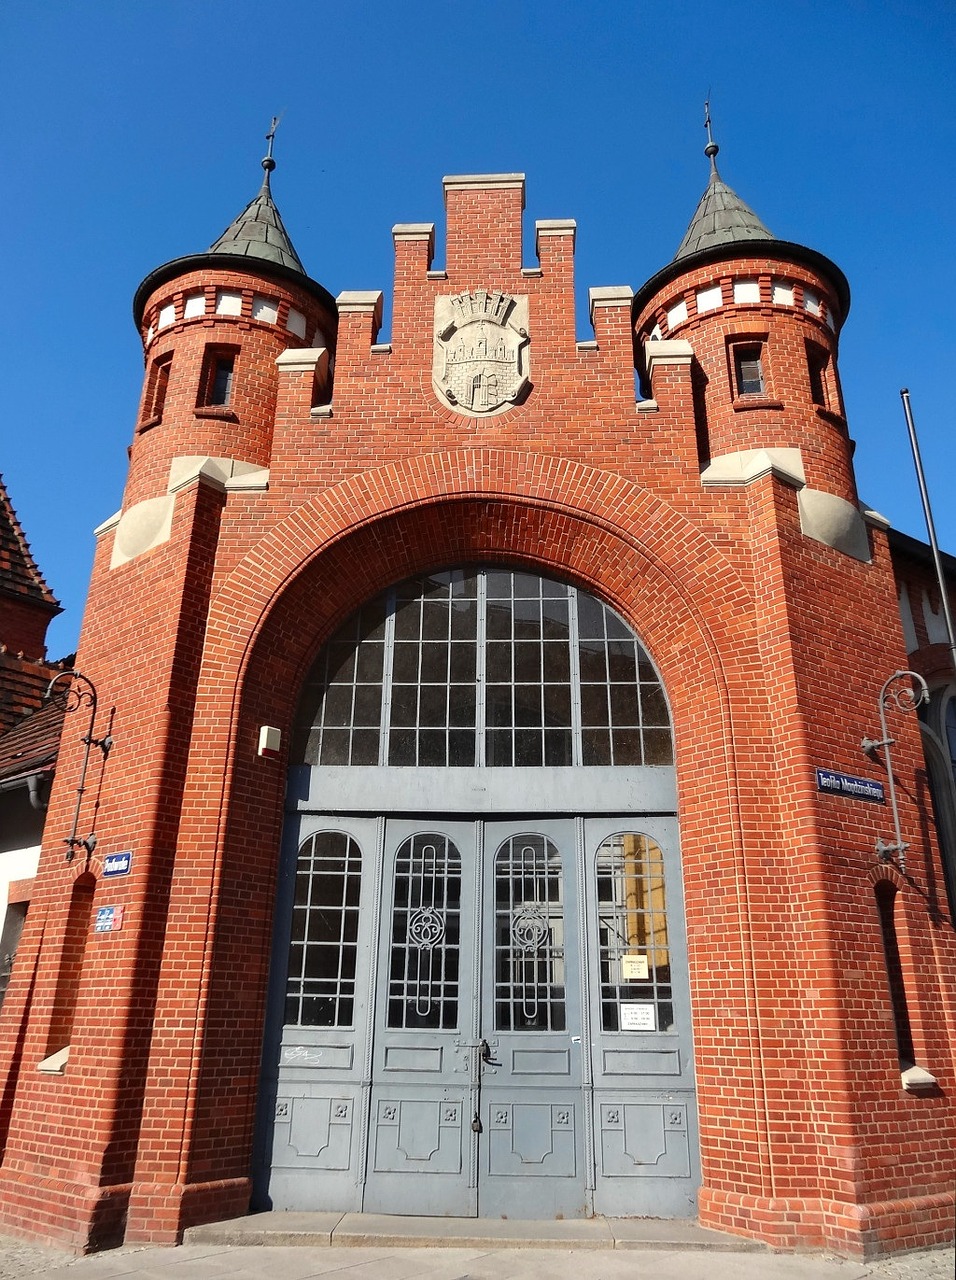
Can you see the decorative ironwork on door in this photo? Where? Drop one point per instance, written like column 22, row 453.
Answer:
column 423, row 983
column 529, row 936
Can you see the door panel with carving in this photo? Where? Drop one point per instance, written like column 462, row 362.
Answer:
column 423, row 1066
column 312, row 1102
column 531, row 1161
column 645, row 1115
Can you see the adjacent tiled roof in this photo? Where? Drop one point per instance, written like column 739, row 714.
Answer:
column 31, row 746
column 23, row 682
column 721, row 218
column 258, row 232
column 904, row 548
column 19, row 574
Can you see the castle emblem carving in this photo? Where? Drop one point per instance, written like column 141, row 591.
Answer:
column 481, row 351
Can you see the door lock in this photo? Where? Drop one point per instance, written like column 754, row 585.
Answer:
column 485, row 1049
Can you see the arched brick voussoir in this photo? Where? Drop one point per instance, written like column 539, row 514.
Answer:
column 711, row 595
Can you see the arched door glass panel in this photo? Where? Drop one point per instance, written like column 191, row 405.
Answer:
column 635, row 961
column 424, row 961
column 529, row 936
column 320, row 987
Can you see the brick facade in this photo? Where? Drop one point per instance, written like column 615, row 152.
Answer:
column 772, row 641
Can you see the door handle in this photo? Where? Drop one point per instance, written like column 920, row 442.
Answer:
column 486, row 1054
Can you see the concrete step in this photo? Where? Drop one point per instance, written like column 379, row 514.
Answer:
column 379, row 1230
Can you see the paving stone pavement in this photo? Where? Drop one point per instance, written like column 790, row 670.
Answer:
column 231, row 1262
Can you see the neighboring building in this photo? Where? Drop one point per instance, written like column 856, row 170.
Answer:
column 487, row 801
column 929, row 653
column 29, row 730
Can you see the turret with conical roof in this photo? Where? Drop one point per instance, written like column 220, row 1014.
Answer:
column 256, row 239
column 762, row 318
column 723, row 224
column 213, row 325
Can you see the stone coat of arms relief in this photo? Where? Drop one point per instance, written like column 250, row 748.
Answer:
column 481, row 351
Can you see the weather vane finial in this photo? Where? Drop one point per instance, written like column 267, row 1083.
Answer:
column 268, row 163
column 712, row 148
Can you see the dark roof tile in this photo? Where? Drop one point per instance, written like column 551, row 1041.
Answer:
column 721, row 218
column 32, row 744
column 258, row 232
column 23, row 682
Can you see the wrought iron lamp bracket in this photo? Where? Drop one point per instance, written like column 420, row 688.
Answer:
column 901, row 697
column 79, row 693
column 104, row 744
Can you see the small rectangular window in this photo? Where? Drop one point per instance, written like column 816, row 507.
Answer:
column 218, row 376
column 156, row 388
column 221, row 391
column 817, row 360
column 748, row 370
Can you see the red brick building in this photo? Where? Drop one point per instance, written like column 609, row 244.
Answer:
column 486, row 800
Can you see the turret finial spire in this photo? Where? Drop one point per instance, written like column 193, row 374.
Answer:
column 258, row 231
column 722, row 218
column 712, row 148
column 267, row 161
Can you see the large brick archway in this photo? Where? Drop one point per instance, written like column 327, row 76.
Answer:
column 601, row 532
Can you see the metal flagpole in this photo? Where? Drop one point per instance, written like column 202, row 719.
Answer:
column 928, row 513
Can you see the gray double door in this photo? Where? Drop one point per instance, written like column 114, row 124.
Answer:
column 482, row 1017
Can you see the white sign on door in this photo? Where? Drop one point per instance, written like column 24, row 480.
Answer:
column 638, row 1016
column 634, row 968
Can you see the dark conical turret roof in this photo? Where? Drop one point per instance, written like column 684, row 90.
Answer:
column 258, row 231
column 721, row 218
column 256, row 241
column 724, row 227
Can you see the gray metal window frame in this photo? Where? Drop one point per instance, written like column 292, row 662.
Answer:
column 652, row 735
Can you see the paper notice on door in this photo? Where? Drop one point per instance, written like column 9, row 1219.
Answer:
column 639, row 1015
column 634, row 968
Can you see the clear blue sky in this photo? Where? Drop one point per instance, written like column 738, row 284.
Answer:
column 134, row 129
